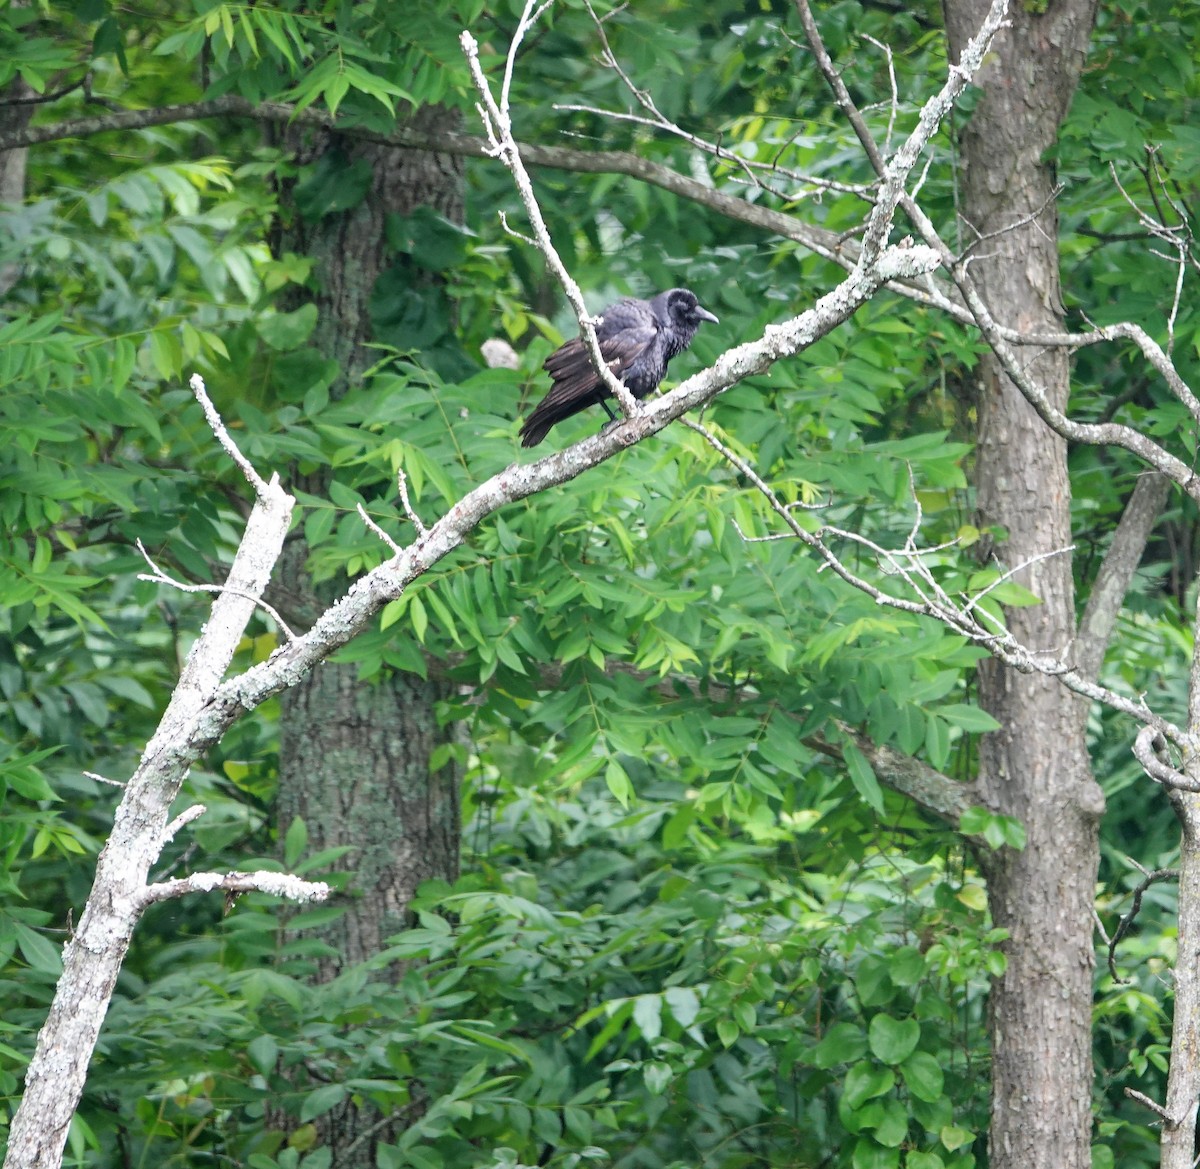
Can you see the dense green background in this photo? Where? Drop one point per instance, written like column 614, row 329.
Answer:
column 684, row 935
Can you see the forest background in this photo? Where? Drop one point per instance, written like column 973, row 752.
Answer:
column 657, row 843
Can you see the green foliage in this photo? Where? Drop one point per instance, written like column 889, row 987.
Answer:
column 630, row 998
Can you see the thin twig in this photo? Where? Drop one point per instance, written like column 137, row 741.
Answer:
column 979, row 596
column 103, row 779
column 374, row 527
column 218, row 428
column 182, row 820
column 406, row 503
column 1146, row 1102
column 498, row 128
column 157, row 576
column 1135, row 907
column 1032, row 217
column 895, row 103
column 934, row 602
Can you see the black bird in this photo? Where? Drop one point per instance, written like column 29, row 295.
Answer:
column 637, row 339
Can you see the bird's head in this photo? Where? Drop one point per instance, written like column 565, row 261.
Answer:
column 683, row 311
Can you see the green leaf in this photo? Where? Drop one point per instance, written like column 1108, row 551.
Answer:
column 973, row 897
column 863, row 777
column 683, row 1003
column 922, row 1076
column 288, row 330
column 406, row 316
column 891, row 1128
column 263, row 1052
column 906, row 966
column 38, row 952
column 319, row 1102
column 870, row 1155
column 998, row 831
column 954, row 1137
column 842, row 1043
column 619, row 783
column 863, row 1082
column 647, row 1014
column 420, row 619
column 332, row 184
column 873, row 982
column 970, row 718
column 657, row 1076
column 893, row 1040
column 433, row 242
column 295, row 841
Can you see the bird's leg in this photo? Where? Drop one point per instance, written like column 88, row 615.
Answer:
column 612, row 418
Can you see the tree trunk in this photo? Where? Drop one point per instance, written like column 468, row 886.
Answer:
column 1183, row 1083
column 13, row 162
column 354, row 757
column 1037, row 767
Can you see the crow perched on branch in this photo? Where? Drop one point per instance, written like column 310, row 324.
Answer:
column 637, row 339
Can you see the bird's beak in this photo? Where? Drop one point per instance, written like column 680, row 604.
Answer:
column 705, row 315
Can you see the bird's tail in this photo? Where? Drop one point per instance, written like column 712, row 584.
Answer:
column 550, row 411
column 538, row 424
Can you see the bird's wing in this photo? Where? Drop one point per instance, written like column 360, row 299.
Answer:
column 623, row 339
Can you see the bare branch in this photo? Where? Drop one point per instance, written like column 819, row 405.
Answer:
column 275, row 884
column 752, row 169
column 181, row 821
column 895, row 173
column 93, row 956
column 1146, row 1102
column 104, row 779
column 932, row 601
column 1127, row 919
column 819, row 240
column 157, row 576
column 409, row 510
column 972, row 604
column 374, row 527
column 1152, row 351
column 1032, row 217
column 894, row 105
column 1102, row 434
column 1116, row 571
column 834, row 246
column 840, row 93
column 1194, row 677
column 937, row 793
column 218, row 428
column 498, row 126
column 1145, row 753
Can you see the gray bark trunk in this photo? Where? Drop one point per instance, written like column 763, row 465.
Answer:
column 354, row 757
column 1037, row 767
column 1183, row 1083
column 13, row 163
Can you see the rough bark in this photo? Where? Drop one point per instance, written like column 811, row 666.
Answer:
column 13, row 119
column 354, row 762
column 354, row 757
column 1183, row 1083
column 1036, row 768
